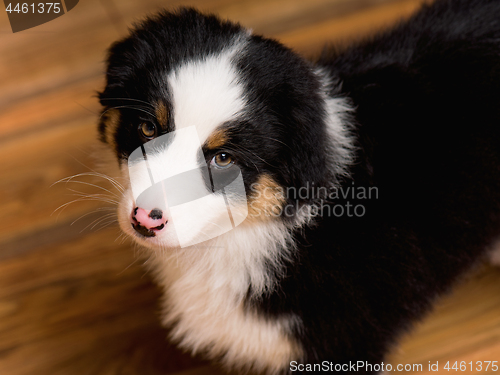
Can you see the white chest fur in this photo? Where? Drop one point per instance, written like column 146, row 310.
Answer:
column 204, row 292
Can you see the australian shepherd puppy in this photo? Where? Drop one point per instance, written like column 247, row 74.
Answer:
column 301, row 212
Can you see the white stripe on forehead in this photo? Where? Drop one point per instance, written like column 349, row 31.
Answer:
column 207, row 92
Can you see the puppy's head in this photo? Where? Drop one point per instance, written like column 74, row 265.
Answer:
column 212, row 126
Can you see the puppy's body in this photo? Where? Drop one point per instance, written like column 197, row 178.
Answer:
column 405, row 126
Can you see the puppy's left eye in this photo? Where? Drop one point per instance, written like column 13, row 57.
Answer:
column 222, row 160
column 147, row 130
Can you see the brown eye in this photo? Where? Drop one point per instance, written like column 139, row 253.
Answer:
column 147, row 130
column 222, row 160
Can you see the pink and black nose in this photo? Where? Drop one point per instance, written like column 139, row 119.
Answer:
column 147, row 223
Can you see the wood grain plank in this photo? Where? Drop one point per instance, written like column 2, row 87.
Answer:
column 82, row 306
column 465, row 326
column 270, row 18
column 68, row 49
column 353, row 27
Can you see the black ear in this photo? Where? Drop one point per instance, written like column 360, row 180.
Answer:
column 286, row 93
column 306, row 137
column 122, row 59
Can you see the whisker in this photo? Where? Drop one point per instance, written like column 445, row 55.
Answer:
column 101, row 197
column 122, row 237
column 94, row 185
column 106, row 224
column 273, row 139
column 130, row 265
column 97, row 221
column 66, row 204
column 238, row 147
column 81, row 199
column 129, row 107
column 131, row 99
column 113, row 181
column 93, row 212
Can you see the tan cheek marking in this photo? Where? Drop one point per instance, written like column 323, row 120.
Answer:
column 266, row 200
column 217, row 139
column 111, row 120
column 161, row 114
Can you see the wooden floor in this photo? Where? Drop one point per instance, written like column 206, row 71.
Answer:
column 74, row 299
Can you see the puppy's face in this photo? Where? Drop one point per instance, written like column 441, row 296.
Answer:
column 210, row 126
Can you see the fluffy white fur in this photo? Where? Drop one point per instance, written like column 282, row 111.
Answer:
column 205, row 288
column 338, row 125
column 206, row 93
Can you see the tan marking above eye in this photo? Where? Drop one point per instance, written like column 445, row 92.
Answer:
column 161, row 113
column 217, row 139
column 111, row 120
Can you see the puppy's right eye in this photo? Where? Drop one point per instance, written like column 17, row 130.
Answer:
column 147, row 130
column 222, row 160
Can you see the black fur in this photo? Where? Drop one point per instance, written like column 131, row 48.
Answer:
column 427, row 114
column 427, row 128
